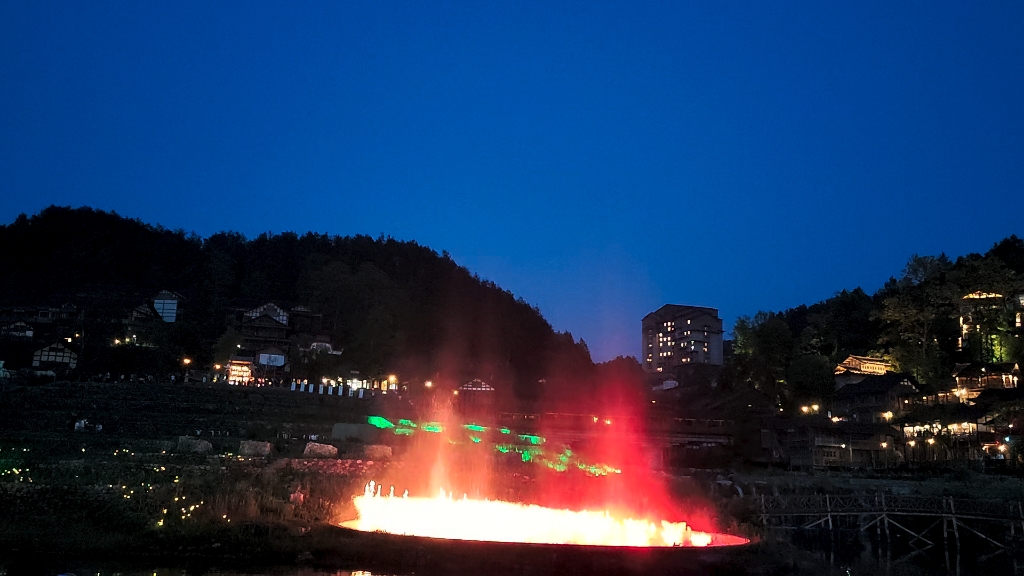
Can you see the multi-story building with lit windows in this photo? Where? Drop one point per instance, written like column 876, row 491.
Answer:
column 676, row 336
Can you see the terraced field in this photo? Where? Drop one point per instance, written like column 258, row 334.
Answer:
column 44, row 416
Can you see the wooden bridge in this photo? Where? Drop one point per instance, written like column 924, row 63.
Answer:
column 995, row 521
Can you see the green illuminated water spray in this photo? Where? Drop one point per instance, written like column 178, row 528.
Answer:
column 531, row 451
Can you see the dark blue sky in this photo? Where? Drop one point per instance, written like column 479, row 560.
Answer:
column 596, row 159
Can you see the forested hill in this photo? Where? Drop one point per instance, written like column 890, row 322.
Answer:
column 390, row 305
column 914, row 321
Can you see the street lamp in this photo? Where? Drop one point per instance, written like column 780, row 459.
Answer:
column 186, row 361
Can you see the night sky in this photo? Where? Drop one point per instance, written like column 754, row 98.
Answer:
column 596, row 159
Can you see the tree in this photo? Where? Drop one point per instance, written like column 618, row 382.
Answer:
column 1010, row 251
column 988, row 290
column 920, row 311
column 764, row 345
column 811, row 378
column 837, row 327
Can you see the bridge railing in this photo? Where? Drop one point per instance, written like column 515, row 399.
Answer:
column 825, row 504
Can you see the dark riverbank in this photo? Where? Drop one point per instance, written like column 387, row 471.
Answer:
column 251, row 547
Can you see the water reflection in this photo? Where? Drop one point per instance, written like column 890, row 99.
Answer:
column 16, row 570
column 854, row 553
column 811, row 553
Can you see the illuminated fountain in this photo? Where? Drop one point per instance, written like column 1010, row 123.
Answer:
column 489, row 530
column 449, row 518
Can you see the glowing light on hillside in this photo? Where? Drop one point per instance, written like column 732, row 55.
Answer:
column 495, row 521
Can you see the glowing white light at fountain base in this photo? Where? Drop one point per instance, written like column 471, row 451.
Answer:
column 495, row 521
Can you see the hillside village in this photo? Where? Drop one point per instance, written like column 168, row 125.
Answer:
column 850, row 382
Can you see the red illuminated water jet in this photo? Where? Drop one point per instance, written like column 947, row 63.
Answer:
column 533, row 486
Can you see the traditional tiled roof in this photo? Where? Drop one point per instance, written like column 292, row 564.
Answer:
column 980, row 369
column 880, row 384
column 944, row 413
column 853, row 365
